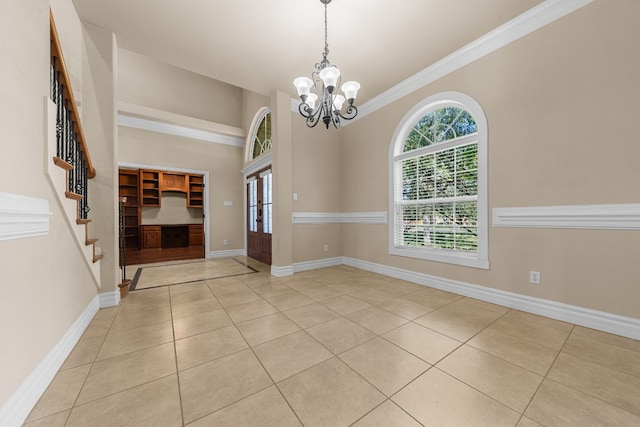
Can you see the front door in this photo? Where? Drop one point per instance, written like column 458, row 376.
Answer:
column 259, row 216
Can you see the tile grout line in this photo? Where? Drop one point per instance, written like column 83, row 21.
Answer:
column 578, row 390
column 75, row 401
column 249, row 347
column 175, row 354
column 533, row 396
column 433, row 366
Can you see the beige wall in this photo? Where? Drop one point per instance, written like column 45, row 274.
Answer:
column 151, row 83
column 174, row 210
column 100, row 127
column 45, row 283
column 317, row 180
column 559, row 105
column 251, row 104
column 223, row 162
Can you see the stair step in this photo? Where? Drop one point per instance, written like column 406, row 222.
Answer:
column 82, row 221
column 90, row 241
column 98, row 258
column 72, row 196
column 61, row 163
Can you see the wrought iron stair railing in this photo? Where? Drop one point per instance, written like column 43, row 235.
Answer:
column 72, row 153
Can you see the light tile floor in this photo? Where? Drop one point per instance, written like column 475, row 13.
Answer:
column 336, row 347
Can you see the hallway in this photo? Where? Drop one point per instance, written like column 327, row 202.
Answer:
column 336, row 347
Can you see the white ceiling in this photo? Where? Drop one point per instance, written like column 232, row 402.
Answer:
column 263, row 45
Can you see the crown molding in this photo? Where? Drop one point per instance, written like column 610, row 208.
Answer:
column 526, row 23
column 176, row 130
column 154, row 120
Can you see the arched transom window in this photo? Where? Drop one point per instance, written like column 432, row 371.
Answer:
column 438, row 170
column 262, row 139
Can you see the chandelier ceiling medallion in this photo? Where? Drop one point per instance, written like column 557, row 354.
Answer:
column 325, row 80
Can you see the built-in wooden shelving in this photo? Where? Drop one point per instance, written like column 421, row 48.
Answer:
column 128, row 180
column 195, row 197
column 149, row 188
column 143, row 188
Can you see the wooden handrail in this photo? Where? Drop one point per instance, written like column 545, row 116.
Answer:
column 56, row 50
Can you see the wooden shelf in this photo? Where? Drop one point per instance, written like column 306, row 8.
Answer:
column 149, row 188
column 195, row 197
column 128, row 180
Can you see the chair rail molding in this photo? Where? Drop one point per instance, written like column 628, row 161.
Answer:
column 339, row 217
column 23, row 216
column 597, row 217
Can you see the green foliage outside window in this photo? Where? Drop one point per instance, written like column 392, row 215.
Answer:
column 262, row 142
column 440, row 186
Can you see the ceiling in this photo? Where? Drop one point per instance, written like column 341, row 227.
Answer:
column 263, row 45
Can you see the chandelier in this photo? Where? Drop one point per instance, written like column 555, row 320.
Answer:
column 326, row 78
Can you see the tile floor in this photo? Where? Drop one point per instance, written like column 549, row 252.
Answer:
column 336, row 347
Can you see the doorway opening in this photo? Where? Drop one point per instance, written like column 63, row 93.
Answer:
column 260, row 215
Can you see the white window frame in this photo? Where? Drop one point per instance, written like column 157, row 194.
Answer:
column 251, row 138
column 480, row 259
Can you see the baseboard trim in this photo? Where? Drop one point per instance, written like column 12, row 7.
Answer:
column 225, row 254
column 314, row 265
column 282, row 271
column 600, row 320
column 16, row 410
column 594, row 319
column 109, row 299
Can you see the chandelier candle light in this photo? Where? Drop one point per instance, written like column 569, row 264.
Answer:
column 326, row 78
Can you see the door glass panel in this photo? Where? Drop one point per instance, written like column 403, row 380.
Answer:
column 267, row 204
column 252, row 188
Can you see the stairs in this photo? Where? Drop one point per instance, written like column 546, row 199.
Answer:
column 67, row 167
column 88, row 241
column 57, row 171
column 68, row 164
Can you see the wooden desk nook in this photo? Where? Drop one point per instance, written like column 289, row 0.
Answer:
column 143, row 189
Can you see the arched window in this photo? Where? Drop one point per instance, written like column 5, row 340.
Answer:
column 438, row 172
column 261, row 142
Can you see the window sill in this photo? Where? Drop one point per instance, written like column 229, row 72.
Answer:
column 466, row 260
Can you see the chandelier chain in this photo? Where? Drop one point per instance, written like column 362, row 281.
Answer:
column 326, row 31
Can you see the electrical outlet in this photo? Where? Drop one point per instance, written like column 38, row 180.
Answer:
column 534, row 277
column 225, row 241
column 326, row 248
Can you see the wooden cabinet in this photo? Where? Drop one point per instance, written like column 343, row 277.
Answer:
column 151, row 236
column 149, row 188
column 195, row 197
column 173, row 182
column 172, row 236
column 196, row 235
column 128, row 180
